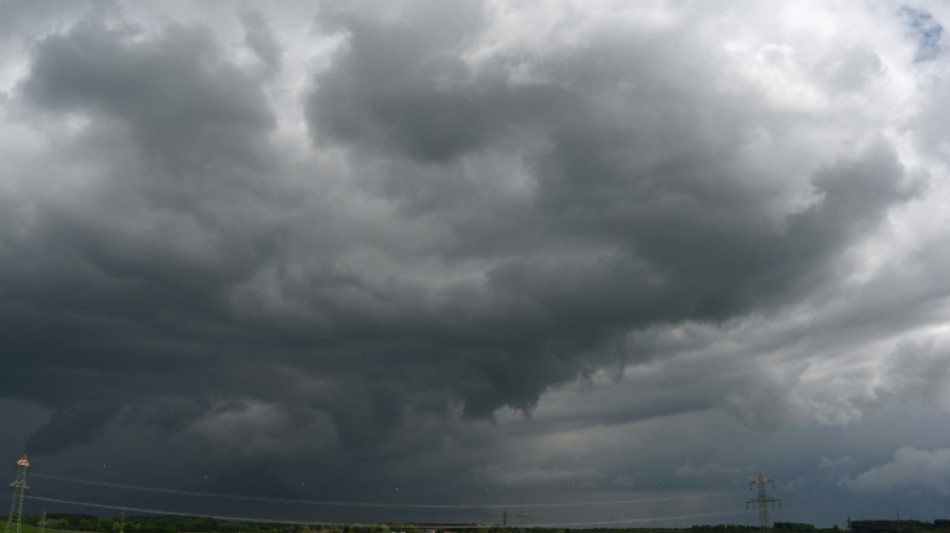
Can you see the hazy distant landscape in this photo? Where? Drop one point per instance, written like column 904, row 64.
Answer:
column 184, row 524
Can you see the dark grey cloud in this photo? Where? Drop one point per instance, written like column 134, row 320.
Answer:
column 635, row 217
column 389, row 73
column 70, row 426
column 396, row 252
column 185, row 105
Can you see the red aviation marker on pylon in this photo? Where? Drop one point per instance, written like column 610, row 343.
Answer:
column 23, row 461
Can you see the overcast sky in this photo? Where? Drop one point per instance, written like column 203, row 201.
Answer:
column 618, row 256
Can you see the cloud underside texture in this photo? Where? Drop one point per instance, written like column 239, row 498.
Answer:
column 449, row 215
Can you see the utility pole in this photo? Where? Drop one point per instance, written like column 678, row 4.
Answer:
column 762, row 501
column 19, row 488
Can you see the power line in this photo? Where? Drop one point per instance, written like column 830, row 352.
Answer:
column 637, row 520
column 383, row 505
column 284, row 521
column 161, row 511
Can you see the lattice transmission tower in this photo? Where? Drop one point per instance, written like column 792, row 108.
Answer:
column 762, row 500
column 18, row 489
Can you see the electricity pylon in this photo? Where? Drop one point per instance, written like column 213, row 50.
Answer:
column 762, row 501
column 18, row 488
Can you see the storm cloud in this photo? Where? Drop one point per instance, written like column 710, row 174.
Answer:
column 455, row 247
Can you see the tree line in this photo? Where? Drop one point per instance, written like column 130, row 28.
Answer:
column 195, row 524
